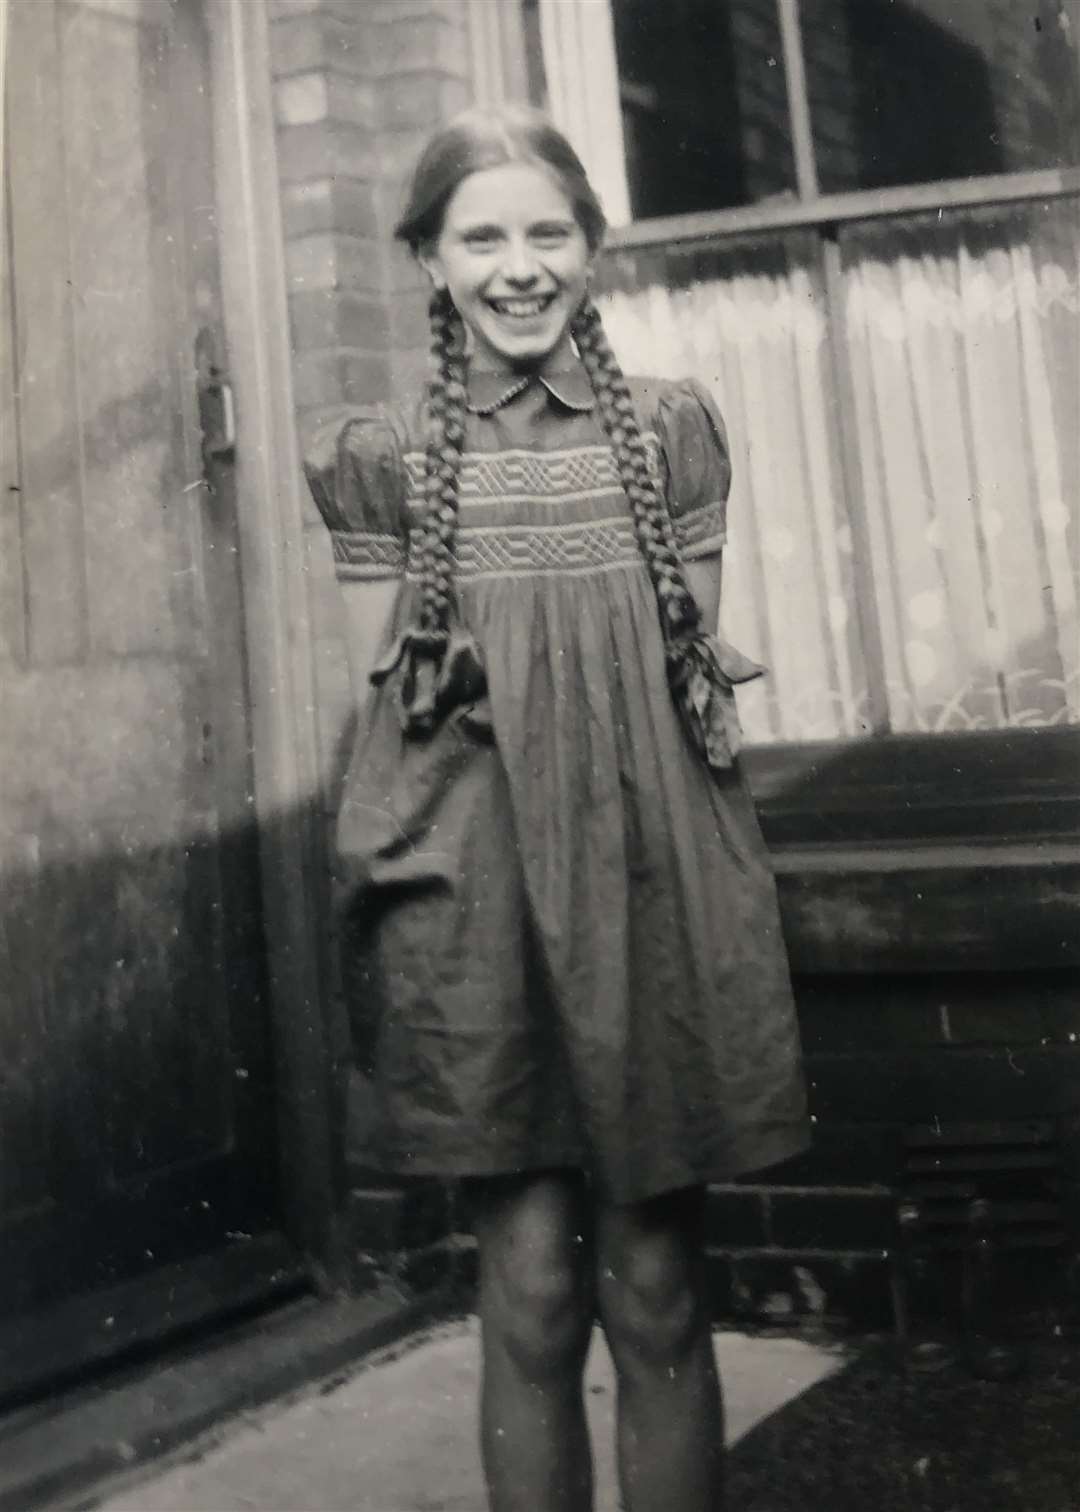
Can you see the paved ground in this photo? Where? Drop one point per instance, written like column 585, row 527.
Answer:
column 399, row 1434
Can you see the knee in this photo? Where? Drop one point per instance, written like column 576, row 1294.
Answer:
column 649, row 1302
column 540, row 1315
column 536, row 1292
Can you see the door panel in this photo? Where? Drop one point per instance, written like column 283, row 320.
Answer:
column 135, row 1085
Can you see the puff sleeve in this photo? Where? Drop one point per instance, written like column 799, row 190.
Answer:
column 695, row 466
column 355, row 470
column 703, row 670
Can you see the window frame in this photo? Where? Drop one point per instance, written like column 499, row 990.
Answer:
column 897, row 851
column 825, row 211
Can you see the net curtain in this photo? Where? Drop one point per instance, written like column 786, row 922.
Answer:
column 963, row 349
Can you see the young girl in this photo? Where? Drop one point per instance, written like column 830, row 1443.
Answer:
column 556, row 901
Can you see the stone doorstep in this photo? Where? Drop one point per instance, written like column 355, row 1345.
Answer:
column 72, row 1449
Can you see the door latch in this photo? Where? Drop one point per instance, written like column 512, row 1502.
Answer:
column 217, row 409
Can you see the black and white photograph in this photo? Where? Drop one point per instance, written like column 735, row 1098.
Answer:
column 539, row 755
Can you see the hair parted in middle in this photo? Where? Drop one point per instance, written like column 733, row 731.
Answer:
column 472, row 142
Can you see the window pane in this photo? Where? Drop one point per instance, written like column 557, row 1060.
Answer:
column 704, row 103
column 965, row 344
column 912, row 91
column 748, row 322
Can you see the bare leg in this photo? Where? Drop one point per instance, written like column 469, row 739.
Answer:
column 654, row 1308
column 536, row 1313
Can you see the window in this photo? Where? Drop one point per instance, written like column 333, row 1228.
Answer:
column 858, row 221
column 908, row 91
column 896, row 92
column 704, row 105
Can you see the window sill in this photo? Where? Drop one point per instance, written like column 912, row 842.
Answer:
column 787, row 213
column 926, row 853
column 1019, row 785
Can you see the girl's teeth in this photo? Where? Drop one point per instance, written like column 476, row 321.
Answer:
column 522, row 307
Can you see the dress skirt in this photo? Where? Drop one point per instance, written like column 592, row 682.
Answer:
column 564, row 923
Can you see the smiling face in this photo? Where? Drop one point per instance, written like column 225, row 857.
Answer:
column 515, row 262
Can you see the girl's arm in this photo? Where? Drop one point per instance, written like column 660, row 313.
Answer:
column 353, row 464
column 703, row 577
column 694, row 449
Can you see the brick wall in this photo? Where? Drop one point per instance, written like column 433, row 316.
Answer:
column 885, row 1055
column 358, row 85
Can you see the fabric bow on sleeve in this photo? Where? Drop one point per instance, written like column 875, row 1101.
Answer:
column 702, row 673
column 439, row 671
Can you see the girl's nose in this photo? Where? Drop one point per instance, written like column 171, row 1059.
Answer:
column 519, row 264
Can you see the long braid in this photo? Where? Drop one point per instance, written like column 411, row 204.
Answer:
column 446, row 440
column 440, row 663
column 653, row 527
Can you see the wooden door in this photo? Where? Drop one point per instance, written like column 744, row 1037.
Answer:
column 135, row 1082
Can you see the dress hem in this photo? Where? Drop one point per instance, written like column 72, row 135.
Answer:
column 762, row 1153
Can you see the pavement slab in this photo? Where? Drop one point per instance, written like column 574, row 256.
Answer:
column 398, row 1433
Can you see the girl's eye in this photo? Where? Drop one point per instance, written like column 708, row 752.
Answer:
column 484, row 236
column 550, row 236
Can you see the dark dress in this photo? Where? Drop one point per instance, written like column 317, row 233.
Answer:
column 561, row 919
